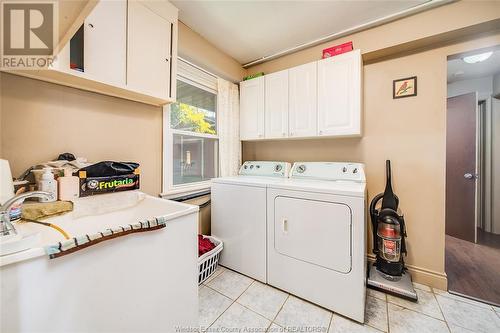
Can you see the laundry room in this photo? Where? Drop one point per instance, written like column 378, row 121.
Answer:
column 260, row 166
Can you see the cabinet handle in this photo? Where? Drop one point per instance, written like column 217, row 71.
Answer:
column 285, row 226
column 320, row 132
column 91, row 25
column 166, row 59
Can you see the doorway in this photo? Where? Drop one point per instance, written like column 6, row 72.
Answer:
column 472, row 246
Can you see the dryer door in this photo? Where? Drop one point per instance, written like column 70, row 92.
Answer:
column 313, row 231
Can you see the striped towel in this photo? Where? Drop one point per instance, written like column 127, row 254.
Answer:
column 81, row 242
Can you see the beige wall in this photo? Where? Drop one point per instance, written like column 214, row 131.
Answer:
column 410, row 132
column 41, row 120
column 193, row 47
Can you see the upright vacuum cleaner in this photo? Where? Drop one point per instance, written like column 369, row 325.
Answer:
column 389, row 273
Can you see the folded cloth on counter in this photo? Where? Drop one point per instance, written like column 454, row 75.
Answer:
column 40, row 210
column 107, row 203
column 81, row 242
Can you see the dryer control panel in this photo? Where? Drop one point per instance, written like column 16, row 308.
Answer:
column 265, row 168
column 329, row 171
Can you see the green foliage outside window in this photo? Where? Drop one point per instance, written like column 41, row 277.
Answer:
column 190, row 118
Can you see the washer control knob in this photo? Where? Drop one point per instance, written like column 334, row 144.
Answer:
column 251, row 166
column 246, row 167
column 278, row 167
column 355, row 170
column 344, row 169
column 301, row 168
column 257, row 166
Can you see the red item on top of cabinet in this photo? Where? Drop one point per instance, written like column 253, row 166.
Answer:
column 204, row 245
column 337, row 49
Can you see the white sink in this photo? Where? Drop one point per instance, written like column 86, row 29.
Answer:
column 145, row 282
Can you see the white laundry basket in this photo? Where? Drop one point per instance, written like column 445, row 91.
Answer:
column 208, row 262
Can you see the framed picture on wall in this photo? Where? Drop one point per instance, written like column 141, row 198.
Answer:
column 406, row 87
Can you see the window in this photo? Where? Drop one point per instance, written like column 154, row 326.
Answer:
column 191, row 142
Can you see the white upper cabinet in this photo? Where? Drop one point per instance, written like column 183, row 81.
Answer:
column 122, row 48
column 105, row 41
column 276, row 105
column 303, row 89
column 252, row 109
column 339, row 95
column 149, row 55
column 321, row 98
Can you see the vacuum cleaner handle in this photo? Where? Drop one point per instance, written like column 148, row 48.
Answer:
column 389, row 199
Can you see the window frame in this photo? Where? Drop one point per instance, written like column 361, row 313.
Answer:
column 168, row 187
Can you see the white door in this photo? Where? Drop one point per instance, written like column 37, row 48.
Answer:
column 105, row 42
column 312, row 231
column 276, row 105
column 303, row 100
column 239, row 220
column 149, row 51
column 339, row 95
column 252, row 109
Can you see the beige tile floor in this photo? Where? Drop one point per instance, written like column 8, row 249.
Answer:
column 231, row 302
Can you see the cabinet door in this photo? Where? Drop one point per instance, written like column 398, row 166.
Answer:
column 303, row 100
column 252, row 109
column 105, row 42
column 149, row 51
column 276, row 105
column 339, row 95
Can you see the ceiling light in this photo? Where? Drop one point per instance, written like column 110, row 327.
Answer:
column 477, row 57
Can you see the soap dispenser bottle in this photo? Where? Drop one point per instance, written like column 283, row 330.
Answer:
column 48, row 184
column 68, row 186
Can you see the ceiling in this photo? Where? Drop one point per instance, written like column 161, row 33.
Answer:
column 249, row 30
column 459, row 70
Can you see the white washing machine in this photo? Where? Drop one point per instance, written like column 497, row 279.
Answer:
column 316, row 231
column 239, row 215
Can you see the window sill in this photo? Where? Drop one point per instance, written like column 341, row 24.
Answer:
column 185, row 190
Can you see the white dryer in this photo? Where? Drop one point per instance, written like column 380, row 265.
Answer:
column 316, row 229
column 239, row 215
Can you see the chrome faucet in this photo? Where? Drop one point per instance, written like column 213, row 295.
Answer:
column 6, row 227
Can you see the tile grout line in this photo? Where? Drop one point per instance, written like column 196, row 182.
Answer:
column 387, row 313
column 272, row 320
column 420, row 312
column 210, row 325
column 387, row 310
column 233, row 301
column 454, row 299
column 211, row 278
column 460, row 299
column 442, row 313
column 279, row 310
column 434, row 294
